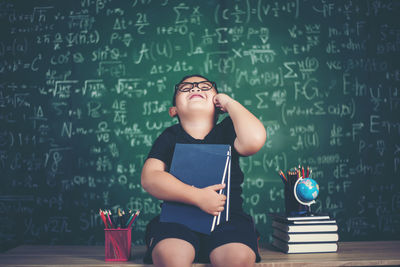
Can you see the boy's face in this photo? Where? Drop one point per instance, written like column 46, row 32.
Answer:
column 195, row 100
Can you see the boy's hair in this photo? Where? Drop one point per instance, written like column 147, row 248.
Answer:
column 187, row 77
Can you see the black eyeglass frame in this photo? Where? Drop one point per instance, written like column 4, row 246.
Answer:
column 195, row 84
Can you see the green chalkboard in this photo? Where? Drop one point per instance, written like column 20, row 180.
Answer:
column 85, row 88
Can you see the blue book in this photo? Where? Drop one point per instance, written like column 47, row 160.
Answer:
column 199, row 165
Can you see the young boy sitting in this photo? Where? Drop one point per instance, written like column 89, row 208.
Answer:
column 197, row 103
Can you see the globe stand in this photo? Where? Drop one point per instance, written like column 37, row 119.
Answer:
column 308, row 204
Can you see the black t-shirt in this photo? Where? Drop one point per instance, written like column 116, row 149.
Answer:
column 222, row 133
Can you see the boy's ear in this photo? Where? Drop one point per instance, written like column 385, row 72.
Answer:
column 172, row 111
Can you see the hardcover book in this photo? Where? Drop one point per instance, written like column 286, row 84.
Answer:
column 305, row 237
column 199, row 165
column 304, row 228
column 304, row 247
column 302, row 219
column 311, row 217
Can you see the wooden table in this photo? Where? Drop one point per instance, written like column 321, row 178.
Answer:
column 349, row 254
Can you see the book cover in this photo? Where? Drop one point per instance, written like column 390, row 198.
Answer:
column 314, row 222
column 199, row 165
column 305, row 217
column 304, row 228
column 306, row 237
column 304, row 247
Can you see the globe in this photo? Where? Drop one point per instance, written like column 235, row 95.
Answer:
column 306, row 190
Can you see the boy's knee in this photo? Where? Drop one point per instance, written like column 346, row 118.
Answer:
column 238, row 259
column 234, row 257
column 173, row 253
column 244, row 258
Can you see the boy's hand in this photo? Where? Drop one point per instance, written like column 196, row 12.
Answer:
column 221, row 101
column 210, row 201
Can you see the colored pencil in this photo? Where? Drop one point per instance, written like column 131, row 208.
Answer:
column 133, row 218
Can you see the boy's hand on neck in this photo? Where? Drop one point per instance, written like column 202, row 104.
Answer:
column 250, row 132
column 221, row 101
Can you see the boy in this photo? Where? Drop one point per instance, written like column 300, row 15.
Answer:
column 197, row 103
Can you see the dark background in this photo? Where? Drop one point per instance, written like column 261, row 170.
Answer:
column 85, row 87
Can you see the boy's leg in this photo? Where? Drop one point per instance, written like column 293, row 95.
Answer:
column 173, row 252
column 234, row 243
column 233, row 254
column 168, row 243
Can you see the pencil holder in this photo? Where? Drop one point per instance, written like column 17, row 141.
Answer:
column 292, row 206
column 117, row 244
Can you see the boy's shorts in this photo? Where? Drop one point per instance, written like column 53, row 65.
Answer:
column 239, row 229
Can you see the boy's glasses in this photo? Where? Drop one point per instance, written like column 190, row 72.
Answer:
column 203, row 86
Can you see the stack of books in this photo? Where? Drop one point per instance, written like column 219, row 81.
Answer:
column 304, row 234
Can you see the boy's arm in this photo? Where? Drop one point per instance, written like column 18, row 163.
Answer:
column 250, row 132
column 162, row 185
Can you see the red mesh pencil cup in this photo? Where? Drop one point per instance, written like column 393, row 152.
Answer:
column 117, row 244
